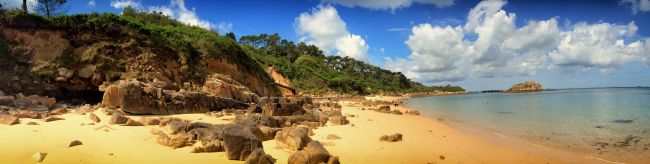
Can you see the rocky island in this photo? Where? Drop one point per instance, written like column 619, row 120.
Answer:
column 528, row 86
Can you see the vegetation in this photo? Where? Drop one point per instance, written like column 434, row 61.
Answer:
column 306, row 66
column 313, row 72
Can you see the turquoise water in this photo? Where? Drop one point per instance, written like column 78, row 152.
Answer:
column 599, row 121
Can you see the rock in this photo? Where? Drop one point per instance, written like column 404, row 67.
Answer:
column 75, row 143
column 51, row 118
column 86, row 71
column 293, row 138
column 150, row 121
column 239, row 142
column 131, row 122
column 314, row 153
column 392, row 138
column 2, row 93
column 268, row 133
column 39, row 157
column 9, row 120
column 332, row 137
column 383, row 138
column 528, row 86
column 7, row 100
column 64, row 74
column 92, row 123
column 58, row 111
column 212, row 146
column 623, row 121
column 259, row 157
column 173, row 140
column 222, row 86
column 135, row 97
column 397, row 112
column 283, row 106
column 32, row 123
column 117, row 118
column 338, row 120
column 383, row 109
column 94, row 118
column 412, row 112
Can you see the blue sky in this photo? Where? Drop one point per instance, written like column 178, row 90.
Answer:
column 479, row 45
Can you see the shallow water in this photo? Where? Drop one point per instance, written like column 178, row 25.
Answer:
column 604, row 122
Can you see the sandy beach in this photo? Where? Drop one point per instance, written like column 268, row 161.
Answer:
column 425, row 141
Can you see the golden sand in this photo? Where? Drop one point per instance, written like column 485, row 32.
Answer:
column 425, row 141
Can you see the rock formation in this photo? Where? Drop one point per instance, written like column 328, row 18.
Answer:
column 528, row 86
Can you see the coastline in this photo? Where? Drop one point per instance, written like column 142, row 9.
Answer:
column 425, row 141
column 539, row 147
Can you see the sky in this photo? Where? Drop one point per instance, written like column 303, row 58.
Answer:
column 479, row 45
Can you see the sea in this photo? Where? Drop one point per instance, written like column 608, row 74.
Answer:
column 608, row 123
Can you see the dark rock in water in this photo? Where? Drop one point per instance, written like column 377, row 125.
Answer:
column 505, row 112
column 259, row 157
column 313, row 153
column 75, row 143
column 139, row 98
column 600, row 127
column 239, row 141
column 623, row 121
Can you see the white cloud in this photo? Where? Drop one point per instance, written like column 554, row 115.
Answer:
column 388, row 4
column 637, row 5
column 91, row 3
column 124, row 3
column 352, row 46
column 31, row 4
column 224, row 27
column 501, row 49
column 598, row 46
column 177, row 10
column 324, row 28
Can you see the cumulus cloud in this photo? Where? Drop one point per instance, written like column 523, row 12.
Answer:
column 91, row 3
column 637, row 5
column 388, row 4
column 501, row 49
column 177, row 10
column 324, row 28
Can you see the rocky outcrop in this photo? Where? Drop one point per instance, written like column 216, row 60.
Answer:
column 135, row 97
column 293, row 138
column 528, row 86
column 391, row 138
column 283, row 106
column 314, row 153
column 222, row 86
column 239, row 141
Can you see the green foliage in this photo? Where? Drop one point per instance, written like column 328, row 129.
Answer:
column 312, row 72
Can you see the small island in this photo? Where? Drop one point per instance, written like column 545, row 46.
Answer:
column 528, row 86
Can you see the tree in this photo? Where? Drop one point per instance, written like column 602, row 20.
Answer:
column 51, row 7
column 25, row 6
column 231, row 36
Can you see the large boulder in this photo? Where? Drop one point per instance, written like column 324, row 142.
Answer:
column 9, row 120
column 338, row 120
column 239, row 141
column 223, row 86
column 314, row 153
column 173, row 140
column 139, row 98
column 293, row 138
column 259, row 157
column 118, row 118
column 283, row 106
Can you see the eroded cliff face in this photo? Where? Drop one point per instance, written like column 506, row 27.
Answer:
column 72, row 62
column 282, row 83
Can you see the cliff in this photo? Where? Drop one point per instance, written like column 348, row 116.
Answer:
column 528, row 86
column 70, row 56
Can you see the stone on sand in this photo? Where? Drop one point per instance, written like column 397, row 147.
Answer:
column 314, row 153
column 118, row 118
column 94, row 118
column 75, row 143
column 259, row 157
column 293, row 138
column 9, row 120
column 39, row 156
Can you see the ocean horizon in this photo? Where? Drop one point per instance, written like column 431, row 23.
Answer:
column 604, row 122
